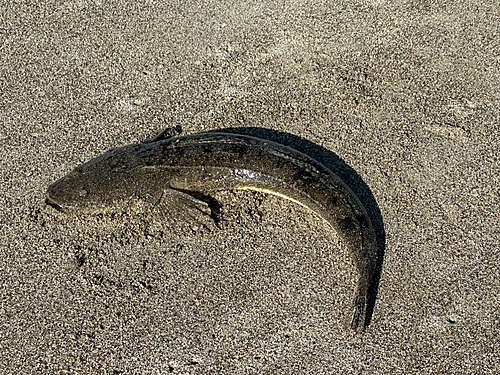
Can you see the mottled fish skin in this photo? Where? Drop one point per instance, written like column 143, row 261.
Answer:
column 218, row 161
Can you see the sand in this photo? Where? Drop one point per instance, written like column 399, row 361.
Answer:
column 401, row 99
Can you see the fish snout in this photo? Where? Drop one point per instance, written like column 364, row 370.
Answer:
column 52, row 203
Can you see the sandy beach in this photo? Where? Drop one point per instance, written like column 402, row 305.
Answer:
column 400, row 99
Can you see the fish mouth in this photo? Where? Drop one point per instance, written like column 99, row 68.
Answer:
column 52, row 203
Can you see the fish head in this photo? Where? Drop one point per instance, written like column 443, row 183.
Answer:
column 73, row 192
column 92, row 185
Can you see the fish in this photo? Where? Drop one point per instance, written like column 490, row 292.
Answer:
column 178, row 171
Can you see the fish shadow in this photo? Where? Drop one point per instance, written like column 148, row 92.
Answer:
column 348, row 175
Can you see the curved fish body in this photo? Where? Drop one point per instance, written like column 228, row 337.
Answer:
column 205, row 162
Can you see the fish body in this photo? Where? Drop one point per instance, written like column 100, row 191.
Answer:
column 206, row 162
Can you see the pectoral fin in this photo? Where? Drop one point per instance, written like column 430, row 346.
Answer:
column 190, row 205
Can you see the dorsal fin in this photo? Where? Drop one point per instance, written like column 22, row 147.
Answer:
column 166, row 134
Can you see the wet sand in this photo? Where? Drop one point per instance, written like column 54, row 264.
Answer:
column 401, row 100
